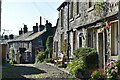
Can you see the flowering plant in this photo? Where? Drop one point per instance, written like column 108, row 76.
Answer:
column 112, row 70
column 102, row 28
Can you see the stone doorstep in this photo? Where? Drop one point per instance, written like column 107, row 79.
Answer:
column 62, row 69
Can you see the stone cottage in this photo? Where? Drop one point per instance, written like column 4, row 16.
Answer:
column 80, row 26
column 24, row 48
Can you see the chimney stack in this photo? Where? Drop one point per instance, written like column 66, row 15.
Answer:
column 46, row 21
column 20, row 31
column 25, row 29
column 6, row 37
column 40, row 20
column 48, row 25
column 35, row 28
column 11, row 36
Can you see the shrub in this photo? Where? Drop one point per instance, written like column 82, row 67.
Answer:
column 86, row 58
column 118, row 65
column 3, row 61
column 40, row 57
column 88, row 55
column 95, row 74
column 49, row 60
column 11, row 61
column 112, row 69
column 98, row 74
column 77, row 67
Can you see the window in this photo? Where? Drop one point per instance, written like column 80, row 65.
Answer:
column 61, row 42
column 40, row 43
column 74, row 39
column 90, row 3
column 54, row 46
column 77, row 7
column 71, row 11
column 114, row 39
column 90, row 38
column 27, row 45
column 80, row 40
column 56, row 49
column 62, row 17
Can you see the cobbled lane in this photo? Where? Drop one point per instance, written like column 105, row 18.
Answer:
column 33, row 71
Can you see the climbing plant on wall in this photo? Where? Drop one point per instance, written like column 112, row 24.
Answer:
column 101, row 9
column 48, row 42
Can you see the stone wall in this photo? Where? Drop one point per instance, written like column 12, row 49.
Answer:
column 82, row 22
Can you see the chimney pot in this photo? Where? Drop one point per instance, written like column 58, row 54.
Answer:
column 46, row 21
column 36, row 24
column 40, row 20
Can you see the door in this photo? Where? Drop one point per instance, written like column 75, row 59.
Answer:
column 114, row 39
column 100, row 47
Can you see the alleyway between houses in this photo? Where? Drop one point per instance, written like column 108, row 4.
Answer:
column 33, row 71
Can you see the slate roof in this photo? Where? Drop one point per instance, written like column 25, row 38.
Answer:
column 63, row 4
column 27, row 36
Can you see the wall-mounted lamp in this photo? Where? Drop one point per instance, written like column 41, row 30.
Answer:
column 81, row 35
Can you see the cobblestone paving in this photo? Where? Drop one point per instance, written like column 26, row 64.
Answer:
column 41, row 70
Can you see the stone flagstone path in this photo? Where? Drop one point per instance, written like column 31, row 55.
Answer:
column 28, row 71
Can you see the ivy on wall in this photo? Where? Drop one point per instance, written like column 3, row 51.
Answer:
column 100, row 8
column 49, row 43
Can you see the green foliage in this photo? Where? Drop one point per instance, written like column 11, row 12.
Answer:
column 18, row 56
column 100, row 7
column 118, row 65
column 88, row 55
column 112, row 69
column 49, row 60
column 11, row 61
column 76, row 66
column 86, row 58
column 95, row 74
column 48, row 45
column 48, row 42
column 3, row 61
column 84, row 51
column 40, row 57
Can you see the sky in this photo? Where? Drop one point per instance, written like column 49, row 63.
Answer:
column 16, row 13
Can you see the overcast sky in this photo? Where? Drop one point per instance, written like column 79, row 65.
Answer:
column 15, row 13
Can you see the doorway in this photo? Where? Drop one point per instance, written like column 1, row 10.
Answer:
column 100, row 51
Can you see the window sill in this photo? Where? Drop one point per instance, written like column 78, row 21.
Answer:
column 77, row 16
column 90, row 9
column 114, row 57
column 61, row 28
column 72, row 19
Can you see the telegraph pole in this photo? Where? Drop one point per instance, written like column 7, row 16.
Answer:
column 119, row 29
column 0, row 21
column 0, row 43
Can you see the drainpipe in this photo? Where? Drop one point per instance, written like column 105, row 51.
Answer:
column 119, row 29
column 68, row 31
